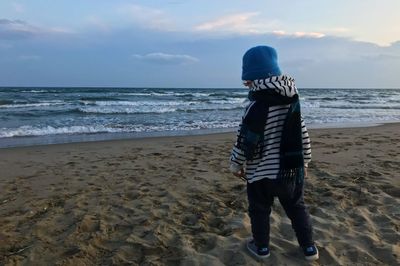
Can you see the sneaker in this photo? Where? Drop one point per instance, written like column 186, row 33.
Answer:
column 311, row 252
column 259, row 252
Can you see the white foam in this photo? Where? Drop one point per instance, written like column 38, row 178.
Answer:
column 126, row 110
column 138, row 103
column 229, row 101
column 138, row 107
column 35, row 91
column 39, row 104
column 168, row 93
column 25, row 131
column 49, row 130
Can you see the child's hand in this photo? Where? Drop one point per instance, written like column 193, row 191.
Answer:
column 240, row 173
column 305, row 172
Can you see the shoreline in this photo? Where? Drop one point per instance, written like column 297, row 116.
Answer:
column 30, row 141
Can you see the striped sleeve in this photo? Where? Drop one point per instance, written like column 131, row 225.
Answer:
column 237, row 156
column 306, row 143
column 238, row 159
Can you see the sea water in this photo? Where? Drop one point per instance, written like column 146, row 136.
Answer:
column 58, row 115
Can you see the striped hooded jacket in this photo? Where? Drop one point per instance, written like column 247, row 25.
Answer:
column 267, row 166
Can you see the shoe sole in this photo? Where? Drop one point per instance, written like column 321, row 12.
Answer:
column 255, row 254
column 313, row 257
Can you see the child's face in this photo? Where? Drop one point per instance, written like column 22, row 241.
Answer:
column 248, row 83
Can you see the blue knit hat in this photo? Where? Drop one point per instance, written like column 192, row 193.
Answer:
column 260, row 62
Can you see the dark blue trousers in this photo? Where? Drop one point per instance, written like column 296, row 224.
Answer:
column 261, row 196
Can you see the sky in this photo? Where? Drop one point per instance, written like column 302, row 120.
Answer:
column 197, row 44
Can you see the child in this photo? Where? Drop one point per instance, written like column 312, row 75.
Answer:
column 274, row 146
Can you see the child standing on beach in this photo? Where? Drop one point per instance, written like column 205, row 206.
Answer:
column 272, row 151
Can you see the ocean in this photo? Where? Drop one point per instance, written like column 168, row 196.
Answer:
column 31, row 116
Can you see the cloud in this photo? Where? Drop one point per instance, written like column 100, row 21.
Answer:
column 251, row 23
column 309, row 34
column 147, row 17
column 58, row 30
column 162, row 58
column 236, row 22
column 19, row 29
column 4, row 21
column 16, row 29
column 299, row 34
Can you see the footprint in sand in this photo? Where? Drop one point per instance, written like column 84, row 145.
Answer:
column 88, row 224
column 205, row 242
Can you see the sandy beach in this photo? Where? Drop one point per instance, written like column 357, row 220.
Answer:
column 172, row 201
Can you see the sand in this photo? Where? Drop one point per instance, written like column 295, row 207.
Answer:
column 172, row 201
